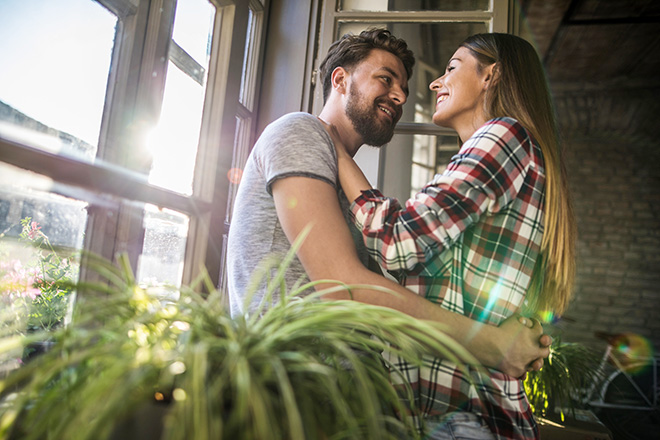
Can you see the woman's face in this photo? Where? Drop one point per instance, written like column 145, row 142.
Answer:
column 460, row 94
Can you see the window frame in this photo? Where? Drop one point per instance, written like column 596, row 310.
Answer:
column 498, row 17
column 142, row 44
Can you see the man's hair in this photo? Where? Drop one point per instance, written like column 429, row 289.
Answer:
column 350, row 50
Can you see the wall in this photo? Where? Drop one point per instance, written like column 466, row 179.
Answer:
column 613, row 161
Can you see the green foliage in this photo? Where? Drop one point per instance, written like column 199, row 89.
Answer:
column 303, row 369
column 35, row 294
column 567, row 371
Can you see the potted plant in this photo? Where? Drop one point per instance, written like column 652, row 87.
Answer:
column 304, row 369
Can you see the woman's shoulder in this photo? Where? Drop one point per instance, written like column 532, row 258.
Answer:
column 504, row 122
column 504, row 128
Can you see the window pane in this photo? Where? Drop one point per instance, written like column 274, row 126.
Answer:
column 161, row 261
column 448, row 146
column 431, row 155
column 420, row 176
column 424, row 150
column 241, row 152
column 41, row 234
column 56, row 58
column 433, row 45
column 193, row 25
column 173, row 143
column 252, row 43
column 413, row 5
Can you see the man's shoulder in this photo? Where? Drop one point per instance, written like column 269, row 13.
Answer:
column 291, row 132
column 296, row 120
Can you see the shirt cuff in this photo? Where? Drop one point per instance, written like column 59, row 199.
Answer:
column 370, row 195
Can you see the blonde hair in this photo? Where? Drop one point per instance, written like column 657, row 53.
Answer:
column 519, row 89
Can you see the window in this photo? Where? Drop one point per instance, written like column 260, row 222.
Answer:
column 433, row 30
column 119, row 123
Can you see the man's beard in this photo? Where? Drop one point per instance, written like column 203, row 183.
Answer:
column 365, row 120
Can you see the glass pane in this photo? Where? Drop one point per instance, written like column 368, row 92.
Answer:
column 56, row 58
column 41, row 235
column 424, row 150
column 193, row 26
column 414, row 5
column 252, row 43
column 433, row 45
column 448, row 146
column 161, row 261
column 241, row 152
column 420, row 176
column 173, row 142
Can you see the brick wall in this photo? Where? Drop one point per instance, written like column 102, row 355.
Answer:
column 613, row 160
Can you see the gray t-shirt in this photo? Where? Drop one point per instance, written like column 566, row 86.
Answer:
column 294, row 145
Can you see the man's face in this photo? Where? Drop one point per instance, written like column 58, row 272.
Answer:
column 378, row 89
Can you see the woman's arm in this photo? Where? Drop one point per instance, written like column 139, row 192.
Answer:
column 481, row 180
column 328, row 252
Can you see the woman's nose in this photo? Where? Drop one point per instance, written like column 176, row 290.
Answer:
column 436, row 84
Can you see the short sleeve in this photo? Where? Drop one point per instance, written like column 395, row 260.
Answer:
column 296, row 145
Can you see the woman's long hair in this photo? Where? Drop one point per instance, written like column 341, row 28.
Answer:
column 519, row 90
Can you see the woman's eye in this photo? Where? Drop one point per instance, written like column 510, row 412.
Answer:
column 450, row 68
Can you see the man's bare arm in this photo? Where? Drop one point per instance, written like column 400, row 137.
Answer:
column 328, row 252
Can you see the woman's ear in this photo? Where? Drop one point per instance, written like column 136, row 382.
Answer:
column 491, row 75
column 339, row 77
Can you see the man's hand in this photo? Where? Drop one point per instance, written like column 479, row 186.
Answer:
column 522, row 345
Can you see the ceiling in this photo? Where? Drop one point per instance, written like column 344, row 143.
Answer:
column 603, row 62
column 600, row 42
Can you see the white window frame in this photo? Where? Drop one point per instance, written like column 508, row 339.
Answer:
column 497, row 18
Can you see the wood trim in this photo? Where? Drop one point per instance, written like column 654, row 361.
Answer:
column 97, row 178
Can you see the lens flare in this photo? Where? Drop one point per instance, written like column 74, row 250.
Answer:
column 234, row 175
column 633, row 352
column 292, row 203
column 547, row 316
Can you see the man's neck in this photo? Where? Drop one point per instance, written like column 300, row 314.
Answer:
column 349, row 137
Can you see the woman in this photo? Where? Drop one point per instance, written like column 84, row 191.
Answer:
column 491, row 235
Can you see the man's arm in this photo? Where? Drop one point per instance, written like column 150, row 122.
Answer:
column 328, row 252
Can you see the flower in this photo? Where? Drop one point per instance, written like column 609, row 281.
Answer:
column 33, row 230
column 35, row 294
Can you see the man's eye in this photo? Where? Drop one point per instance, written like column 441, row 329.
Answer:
column 387, row 79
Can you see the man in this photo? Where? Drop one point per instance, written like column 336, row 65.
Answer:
column 290, row 183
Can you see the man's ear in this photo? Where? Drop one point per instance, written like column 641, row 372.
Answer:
column 491, row 75
column 339, row 79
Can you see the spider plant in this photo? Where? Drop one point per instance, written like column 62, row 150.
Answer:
column 570, row 367
column 303, row 369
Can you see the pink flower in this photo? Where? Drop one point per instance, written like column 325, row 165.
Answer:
column 33, row 232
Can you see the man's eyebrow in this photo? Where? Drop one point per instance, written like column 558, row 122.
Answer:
column 395, row 75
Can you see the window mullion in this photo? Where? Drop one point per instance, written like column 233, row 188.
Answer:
column 207, row 233
column 132, row 107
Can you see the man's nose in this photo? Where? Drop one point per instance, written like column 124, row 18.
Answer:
column 398, row 95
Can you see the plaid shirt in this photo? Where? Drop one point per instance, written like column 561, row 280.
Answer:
column 468, row 241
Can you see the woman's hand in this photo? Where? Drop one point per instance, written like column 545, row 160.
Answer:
column 351, row 178
column 340, row 148
column 522, row 346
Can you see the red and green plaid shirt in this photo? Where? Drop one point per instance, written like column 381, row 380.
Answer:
column 467, row 241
